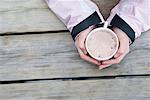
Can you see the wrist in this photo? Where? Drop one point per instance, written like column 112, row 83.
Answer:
column 123, row 34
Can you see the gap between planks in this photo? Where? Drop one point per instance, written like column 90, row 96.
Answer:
column 34, row 33
column 78, row 78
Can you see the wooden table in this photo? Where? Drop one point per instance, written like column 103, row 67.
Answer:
column 38, row 59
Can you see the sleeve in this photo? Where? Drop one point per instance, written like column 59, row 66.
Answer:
column 77, row 15
column 131, row 16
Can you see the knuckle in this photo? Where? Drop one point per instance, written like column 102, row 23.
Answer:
column 81, row 47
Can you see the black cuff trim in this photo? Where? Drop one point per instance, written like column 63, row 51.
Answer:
column 91, row 20
column 117, row 21
column 102, row 25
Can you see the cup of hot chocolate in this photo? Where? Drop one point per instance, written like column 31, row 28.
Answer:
column 102, row 43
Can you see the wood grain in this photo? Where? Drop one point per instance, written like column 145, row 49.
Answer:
column 17, row 16
column 27, row 16
column 54, row 55
column 109, row 89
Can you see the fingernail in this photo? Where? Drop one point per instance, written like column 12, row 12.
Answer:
column 104, row 63
column 100, row 68
column 85, row 52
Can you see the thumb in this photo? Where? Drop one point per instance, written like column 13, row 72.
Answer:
column 82, row 44
column 82, row 38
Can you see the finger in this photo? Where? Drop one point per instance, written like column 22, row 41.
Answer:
column 114, row 61
column 104, row 66
column 81, row 43
column 121, row 50
column 117, row 55
column 87, row 58
column 82, row 39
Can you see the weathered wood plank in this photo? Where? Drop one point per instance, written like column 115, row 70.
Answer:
column 34, row 16
column 27, row 16
column 54, row 55
column 109, row 89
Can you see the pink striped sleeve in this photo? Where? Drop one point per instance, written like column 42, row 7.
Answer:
column 77, row 15
column 131, row 16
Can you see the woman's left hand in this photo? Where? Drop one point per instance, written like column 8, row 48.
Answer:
column 122, row 51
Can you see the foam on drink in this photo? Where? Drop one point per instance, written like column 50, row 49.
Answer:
column 102, row 44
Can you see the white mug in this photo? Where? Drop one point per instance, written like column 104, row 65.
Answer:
column 106, row 48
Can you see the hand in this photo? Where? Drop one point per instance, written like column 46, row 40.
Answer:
column 80, row 45
column 122, row 51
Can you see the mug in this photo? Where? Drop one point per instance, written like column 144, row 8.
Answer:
column 102, row 43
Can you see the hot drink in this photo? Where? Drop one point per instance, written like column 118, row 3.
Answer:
column 102, row 43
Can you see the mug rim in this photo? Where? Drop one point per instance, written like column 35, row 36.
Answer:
column 99, row 29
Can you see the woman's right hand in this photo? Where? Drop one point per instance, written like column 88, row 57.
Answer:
column 80, row 45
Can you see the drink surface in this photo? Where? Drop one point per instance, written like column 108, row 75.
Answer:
column 101, row 44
